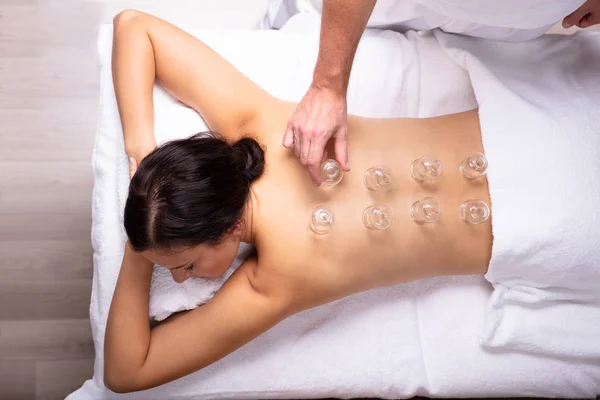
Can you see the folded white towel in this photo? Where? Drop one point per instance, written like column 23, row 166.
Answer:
column 168, row 297
column 539, row 108
column 565, row 329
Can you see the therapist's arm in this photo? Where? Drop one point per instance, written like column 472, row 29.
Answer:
column 341, row 29
column 321, row 114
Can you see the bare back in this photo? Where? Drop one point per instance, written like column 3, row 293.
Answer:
column 352, row 258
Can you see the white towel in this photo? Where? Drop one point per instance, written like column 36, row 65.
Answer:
column 539, row 107
column 168, row 297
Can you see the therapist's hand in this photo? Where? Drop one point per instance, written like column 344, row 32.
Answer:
column 319, row 117
column 322, row 115
column 585, row 16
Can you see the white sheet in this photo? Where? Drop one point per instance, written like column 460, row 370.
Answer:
column 413, row 339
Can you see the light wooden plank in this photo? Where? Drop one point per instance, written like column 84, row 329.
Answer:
column 46, row 260
column 65, row 22
column 46, row 340
column 40, row 299
column 49, row 134
column 63, row 226
column 54, row 380
column 33, row 82
column 17, row 380
column 64, row 187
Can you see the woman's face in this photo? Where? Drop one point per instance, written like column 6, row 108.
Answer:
column 201, row 261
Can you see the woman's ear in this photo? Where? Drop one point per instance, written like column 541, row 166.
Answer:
column 236, row 230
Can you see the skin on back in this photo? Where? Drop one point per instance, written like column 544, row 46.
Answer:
column 352, row 258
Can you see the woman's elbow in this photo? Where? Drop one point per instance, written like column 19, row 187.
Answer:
column 114, row 384
column 118, row 382
column 126, row 17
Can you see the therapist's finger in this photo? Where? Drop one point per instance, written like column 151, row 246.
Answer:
column 341, row 148
column 590, row 20
column 306, row 139
column 297, row 142
column 315, row 158
column 575, row 16
column 288, row 137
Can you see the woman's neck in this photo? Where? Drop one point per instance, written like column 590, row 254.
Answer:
column 248, row 233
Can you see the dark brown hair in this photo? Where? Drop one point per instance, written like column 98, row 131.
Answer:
column 190, row 191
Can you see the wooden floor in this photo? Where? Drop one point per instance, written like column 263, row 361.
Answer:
column 48, row 96
column 48, row 112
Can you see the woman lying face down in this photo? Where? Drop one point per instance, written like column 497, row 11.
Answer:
column 192, row 201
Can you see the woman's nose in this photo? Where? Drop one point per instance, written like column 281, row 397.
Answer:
column 179, row 276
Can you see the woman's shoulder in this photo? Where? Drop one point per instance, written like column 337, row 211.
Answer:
column 265, row 279
column 268, row 125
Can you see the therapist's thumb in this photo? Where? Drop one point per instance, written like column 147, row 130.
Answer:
column 288, row 138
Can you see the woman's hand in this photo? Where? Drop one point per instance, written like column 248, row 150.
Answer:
column 132, row 167
column 138, row 153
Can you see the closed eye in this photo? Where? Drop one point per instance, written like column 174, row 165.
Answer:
column 190, row 268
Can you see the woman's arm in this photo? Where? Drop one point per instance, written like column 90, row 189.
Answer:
column 137, row 358
column 145, row 49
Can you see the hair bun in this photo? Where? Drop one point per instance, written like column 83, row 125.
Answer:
column 249, row 158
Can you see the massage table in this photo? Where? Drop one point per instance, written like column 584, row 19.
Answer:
column 426, row 338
